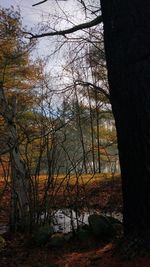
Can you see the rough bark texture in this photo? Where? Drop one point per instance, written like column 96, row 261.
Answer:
column 127, row 45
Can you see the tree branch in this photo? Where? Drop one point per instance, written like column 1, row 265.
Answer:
column 82, row 26
column 39, row 3
column 99, row 89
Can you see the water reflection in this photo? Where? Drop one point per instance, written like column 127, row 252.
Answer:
column 67, row 220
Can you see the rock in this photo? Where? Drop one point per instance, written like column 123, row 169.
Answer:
column 42, row 235
column 57, row 240
column 101, row 226
column 113, row 220
column 117, row 225
column 68, row 236
column 84, row 233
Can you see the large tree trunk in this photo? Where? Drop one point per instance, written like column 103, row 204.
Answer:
column 127, row 45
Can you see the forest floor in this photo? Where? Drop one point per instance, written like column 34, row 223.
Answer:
column 103, row 195
column 18, row 253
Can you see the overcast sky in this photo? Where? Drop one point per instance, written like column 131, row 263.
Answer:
column 55, row 14
column 33, row 15
column 51, row 11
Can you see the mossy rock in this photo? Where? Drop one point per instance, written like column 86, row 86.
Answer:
column 68, row 236
column 113, row 220
column 100, row 226
column 57, row 240
column 42, row 235
column 117, row 225
column 84, row 233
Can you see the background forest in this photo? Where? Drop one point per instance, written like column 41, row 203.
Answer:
column 59, row 165
column 52, row 128
column 61, row 96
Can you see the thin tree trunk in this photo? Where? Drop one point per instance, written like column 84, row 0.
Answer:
column 97, row 116
column 92, row 131
column 81, row 132
column 19, row 218
column 98, row 133
column 127, row 45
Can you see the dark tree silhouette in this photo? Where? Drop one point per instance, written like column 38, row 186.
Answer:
column 127, row 46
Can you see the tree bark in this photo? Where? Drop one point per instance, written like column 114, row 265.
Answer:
column 127, row 46
column 20, row 201
column 20, row 215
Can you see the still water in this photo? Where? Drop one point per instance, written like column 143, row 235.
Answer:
column 66, row 220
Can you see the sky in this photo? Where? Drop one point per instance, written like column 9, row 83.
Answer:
column 49, row 11
column 57, row 13
column 32, row 15
column 53, row 14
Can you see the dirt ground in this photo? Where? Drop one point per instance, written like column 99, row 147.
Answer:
column 19, row 253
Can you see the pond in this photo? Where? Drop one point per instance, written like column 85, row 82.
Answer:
column 65, row 220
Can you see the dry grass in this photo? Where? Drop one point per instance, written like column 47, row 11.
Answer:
column 72, row 179
column 81, row 179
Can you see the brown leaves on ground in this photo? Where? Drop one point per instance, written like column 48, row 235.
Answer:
column 17, row 253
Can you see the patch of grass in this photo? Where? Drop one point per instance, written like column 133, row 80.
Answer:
column 82, row 179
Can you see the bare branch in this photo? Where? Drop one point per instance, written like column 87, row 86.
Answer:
column 83, row 4
column 39, row 3
column 82, row 26
column 98, row 88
